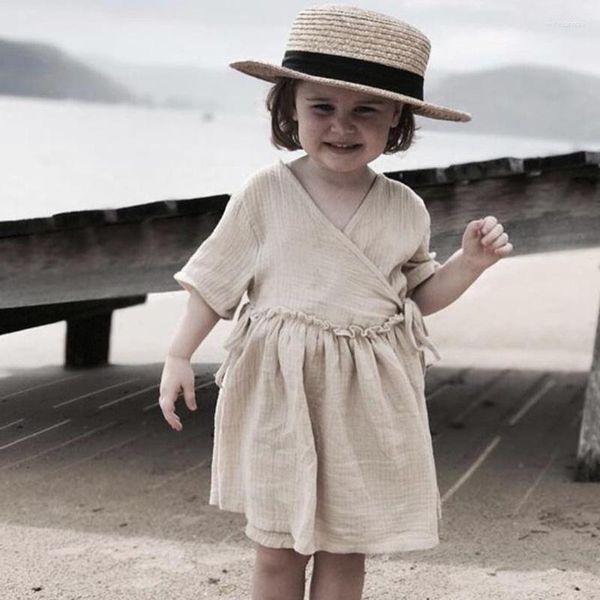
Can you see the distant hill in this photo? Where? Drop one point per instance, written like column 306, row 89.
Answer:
column 218, row 89
column 516, row 100
column 43, row 70
column 524, row 100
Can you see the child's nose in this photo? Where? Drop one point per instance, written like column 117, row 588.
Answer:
column 343, row 122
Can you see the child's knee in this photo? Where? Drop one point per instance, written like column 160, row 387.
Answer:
column 340, row 562
column 276, row 560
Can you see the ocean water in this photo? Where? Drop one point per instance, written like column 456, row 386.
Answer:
column 60, row 156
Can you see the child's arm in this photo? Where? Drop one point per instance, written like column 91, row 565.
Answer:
column 178, row 374
column 194, row 326
column 446, row 284
column 484, row 243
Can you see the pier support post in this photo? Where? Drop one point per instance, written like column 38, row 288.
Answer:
column 88, row 340
column 588, row 452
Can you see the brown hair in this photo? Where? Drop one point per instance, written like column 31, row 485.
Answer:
column 280, row 103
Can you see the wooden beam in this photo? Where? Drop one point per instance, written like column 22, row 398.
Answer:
column 103, row 261
column 136, row 250
column 17, row 319
column 546, row 212
column 588, row 451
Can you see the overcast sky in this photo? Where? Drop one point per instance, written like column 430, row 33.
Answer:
column 465, row 34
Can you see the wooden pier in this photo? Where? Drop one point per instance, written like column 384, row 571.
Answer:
column 81, row 266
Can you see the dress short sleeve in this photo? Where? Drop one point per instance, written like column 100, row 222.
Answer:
column 223, row 266
column 422, row 263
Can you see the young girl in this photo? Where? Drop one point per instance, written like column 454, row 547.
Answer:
column 321, row 429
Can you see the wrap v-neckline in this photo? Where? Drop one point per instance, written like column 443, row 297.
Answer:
column 343, row 234
column 345, row 230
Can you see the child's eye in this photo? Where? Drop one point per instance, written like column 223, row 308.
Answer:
column 323, row 107
column 365, row 109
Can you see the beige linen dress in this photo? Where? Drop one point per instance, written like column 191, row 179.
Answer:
column 321, row 429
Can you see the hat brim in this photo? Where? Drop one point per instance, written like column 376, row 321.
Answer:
column 270, row 72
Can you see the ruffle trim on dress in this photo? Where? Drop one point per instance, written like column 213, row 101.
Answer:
column 351, row 331
column 411, row 316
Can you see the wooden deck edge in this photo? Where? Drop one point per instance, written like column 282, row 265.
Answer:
column 461, row 172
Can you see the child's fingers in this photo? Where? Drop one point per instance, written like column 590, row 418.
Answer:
column 504, row 250
column 167, row 406
column 190, row 397
column 487, row 224
column 492, row 235
column 173, row 420
column 499, row 241
column 501, row 246
column 474, row 228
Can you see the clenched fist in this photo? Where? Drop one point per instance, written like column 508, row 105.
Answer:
column 485, row 242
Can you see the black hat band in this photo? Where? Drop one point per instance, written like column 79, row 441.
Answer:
column 354, row 70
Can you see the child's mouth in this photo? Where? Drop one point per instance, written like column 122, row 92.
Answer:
column 342, row 148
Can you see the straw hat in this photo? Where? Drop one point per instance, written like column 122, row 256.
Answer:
column 360, row 50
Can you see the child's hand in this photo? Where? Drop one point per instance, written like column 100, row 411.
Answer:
column 485, row 242
column 177, row 373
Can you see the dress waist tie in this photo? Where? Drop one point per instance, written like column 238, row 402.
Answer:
column 415, row 328
column 231, row 343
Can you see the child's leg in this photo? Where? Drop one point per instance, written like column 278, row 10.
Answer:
column 279, row 574
column 337, row 576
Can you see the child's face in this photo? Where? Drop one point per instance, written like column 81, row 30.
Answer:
column 330, row 115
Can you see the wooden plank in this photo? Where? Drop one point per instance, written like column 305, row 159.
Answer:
column 515, row 436
column 97, row 428
column 562, row 161
column 554, row 211
column 496, row 167
column 477, row 416
column 111, row 216
column 458, row 390
column 102, row 262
